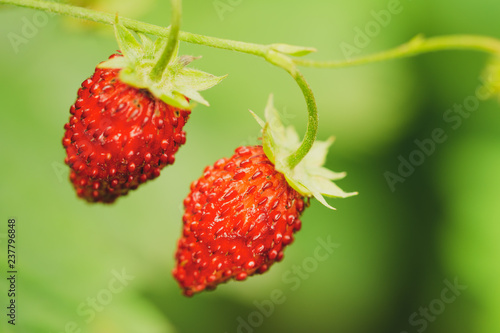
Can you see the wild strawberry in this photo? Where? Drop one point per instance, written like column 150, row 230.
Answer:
column 126, row 125
column 242, row 213
column 239, row 217
column 119, row 136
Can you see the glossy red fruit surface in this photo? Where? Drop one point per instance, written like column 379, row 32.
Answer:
column 239, row 217
column 118, row 137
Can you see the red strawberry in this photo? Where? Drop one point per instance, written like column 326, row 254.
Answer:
column 239, row 217
column 119, row 136
column 127, row 123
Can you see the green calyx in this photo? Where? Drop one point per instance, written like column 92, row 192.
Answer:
column 309, row 177
column 175, row 83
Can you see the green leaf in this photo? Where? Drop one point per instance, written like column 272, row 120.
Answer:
column 328, row 174
column 171, row 98
column 321, row 199
column 197, row 80
column 116, row 62
column 276, row 128
column 317, row 155
column 159, row 44
column 261, row 122
column 269, row 144
column 192, row 94
column 147, row 45
column 296, row 51
column 129, row 46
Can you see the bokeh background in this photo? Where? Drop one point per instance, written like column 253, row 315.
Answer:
column 398, row 251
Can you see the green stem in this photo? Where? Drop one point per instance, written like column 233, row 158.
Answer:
column 138, row 26
column 312, row 122
column 416, row 46
column 173, row 40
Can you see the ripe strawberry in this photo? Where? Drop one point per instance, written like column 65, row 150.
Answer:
column 119, row 136
column 239, row 217
column 127, row 123
column 243, row 211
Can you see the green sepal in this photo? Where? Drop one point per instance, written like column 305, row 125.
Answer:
column 116, row 62
column 292, row 50
column 309, row 177
column 129, row 46
column 176, row 84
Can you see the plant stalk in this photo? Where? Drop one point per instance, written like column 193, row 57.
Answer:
column 173, row 40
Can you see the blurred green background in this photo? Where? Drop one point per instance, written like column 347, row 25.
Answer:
column 399, row 250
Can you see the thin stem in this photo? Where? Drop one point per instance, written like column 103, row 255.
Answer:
column 173, row 39
column 138, row 26
column 312, row 122
column 416, row 46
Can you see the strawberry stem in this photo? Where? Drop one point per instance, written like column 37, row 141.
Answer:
column 312, row 122
column 173, row 40
column 138, row 26
column 416, row 46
